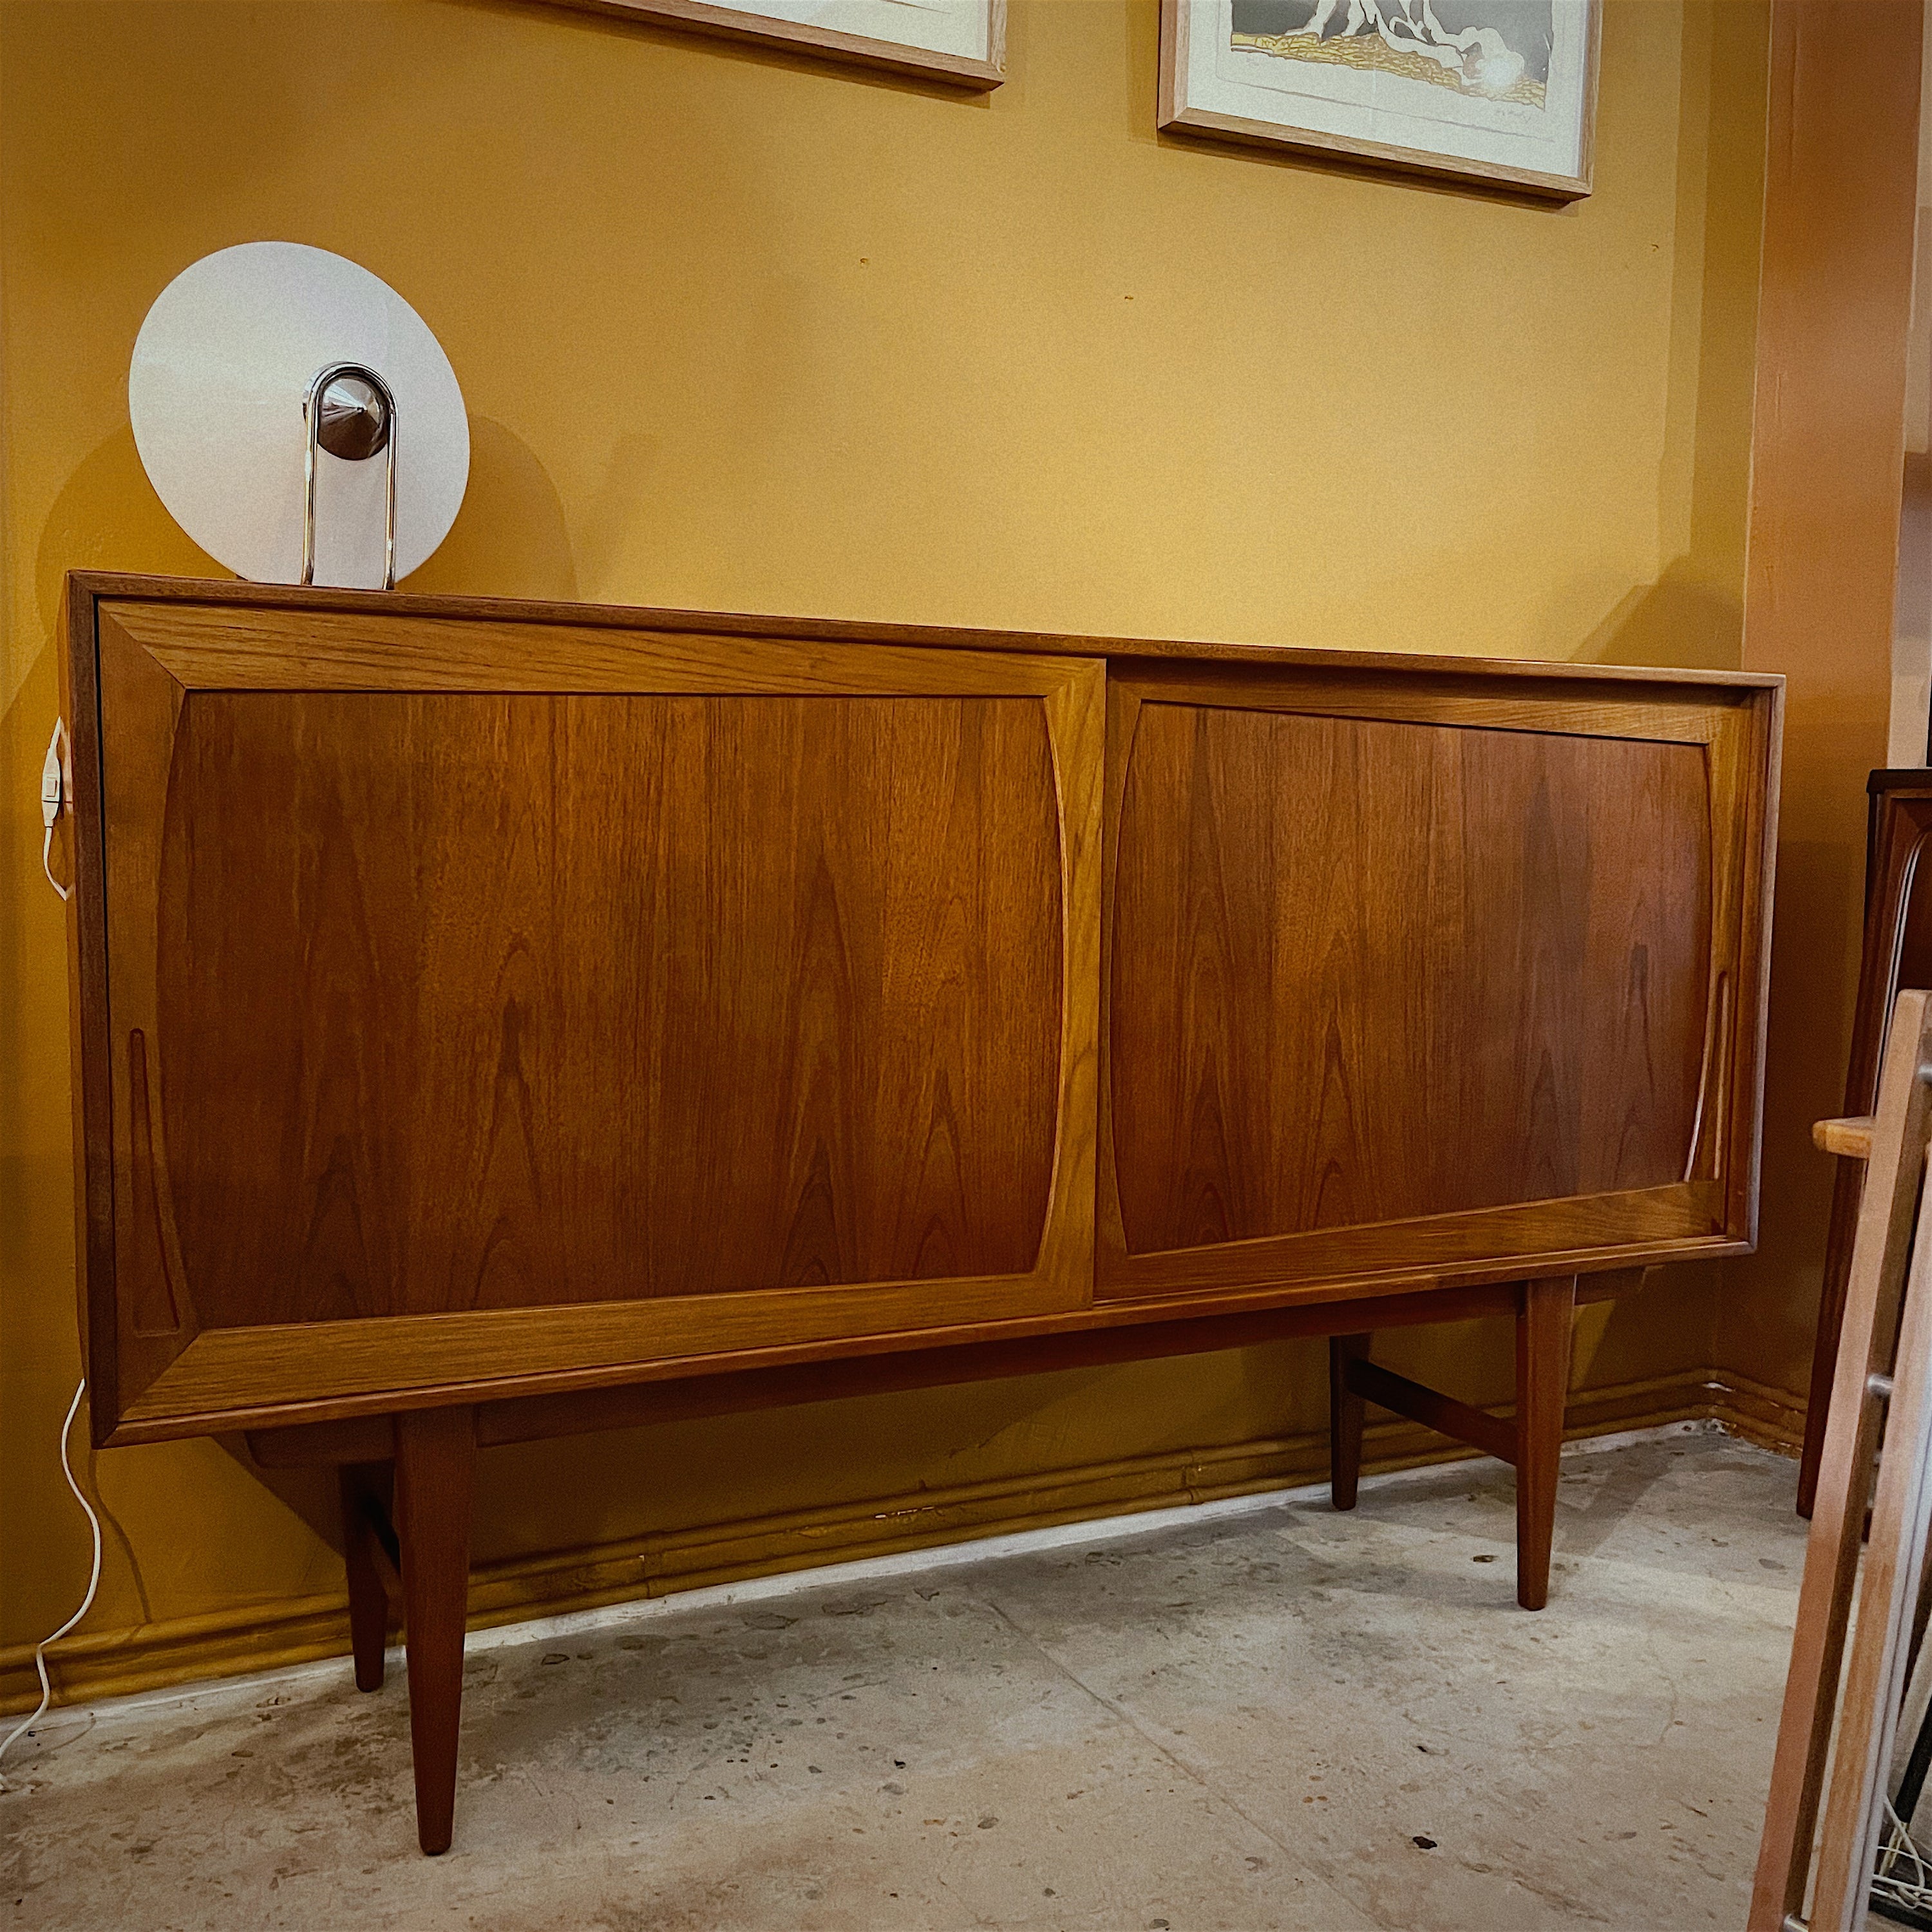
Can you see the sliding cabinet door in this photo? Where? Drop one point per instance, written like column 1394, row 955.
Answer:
column 493, row 1004
column 1428, row 977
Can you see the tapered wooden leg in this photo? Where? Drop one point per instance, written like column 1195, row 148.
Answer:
column 1345, row 1420
column 436, row 1459
column 1542, row 1332
column 361, row 1484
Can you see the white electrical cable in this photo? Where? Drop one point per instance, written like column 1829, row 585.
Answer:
column 1889, row 1881
column 26, row 1724
column 46, row 861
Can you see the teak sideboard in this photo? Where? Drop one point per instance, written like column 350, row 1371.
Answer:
column 493, row 1020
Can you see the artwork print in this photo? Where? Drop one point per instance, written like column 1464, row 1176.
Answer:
column 1492, row 49
column 1500, row 88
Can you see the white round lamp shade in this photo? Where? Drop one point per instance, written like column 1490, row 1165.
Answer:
column 220, row 369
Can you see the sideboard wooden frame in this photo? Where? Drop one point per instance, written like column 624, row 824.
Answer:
column 400, row 1406
column 239, row 636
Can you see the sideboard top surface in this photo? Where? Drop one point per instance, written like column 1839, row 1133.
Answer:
column 93, row 585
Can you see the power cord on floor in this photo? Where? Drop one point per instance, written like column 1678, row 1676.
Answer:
column 26, row 1724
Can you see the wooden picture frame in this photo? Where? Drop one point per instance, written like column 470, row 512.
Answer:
column 1346, row 103
column 978, row 70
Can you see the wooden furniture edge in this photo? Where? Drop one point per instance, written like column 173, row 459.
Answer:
column 1675, row 1221
column 1848, row 1135
column 1747, row 1094
column 102, row 586
column 1890, row 1581
column 156, row 1426
column 1892, row 854
column 1893, row 849
column 91, row 1046
column 531, row 1416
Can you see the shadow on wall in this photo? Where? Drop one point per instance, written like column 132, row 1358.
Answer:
column 745, row 1491
column 1680, row 620
column 509, row 539
column 108, row 517
column 309, row 1494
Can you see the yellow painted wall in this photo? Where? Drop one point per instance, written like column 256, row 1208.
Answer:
column 741, row 331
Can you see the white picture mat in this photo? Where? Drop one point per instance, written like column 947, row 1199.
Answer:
column 1213, row 77
column 963, row 27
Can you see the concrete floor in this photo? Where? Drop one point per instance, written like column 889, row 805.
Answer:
column 1283, row 1717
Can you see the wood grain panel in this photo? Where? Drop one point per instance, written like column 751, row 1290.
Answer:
column 154, row 1313
column 155, row 1308
column 474, row 1001
column 218, row 650
column 1366, row 971
column 536, row 974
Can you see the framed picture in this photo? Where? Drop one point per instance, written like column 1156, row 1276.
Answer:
column 1502, row 89
column 961, row 42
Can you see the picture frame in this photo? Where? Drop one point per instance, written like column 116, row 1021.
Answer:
column 1497, row 91
column 959, row 43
